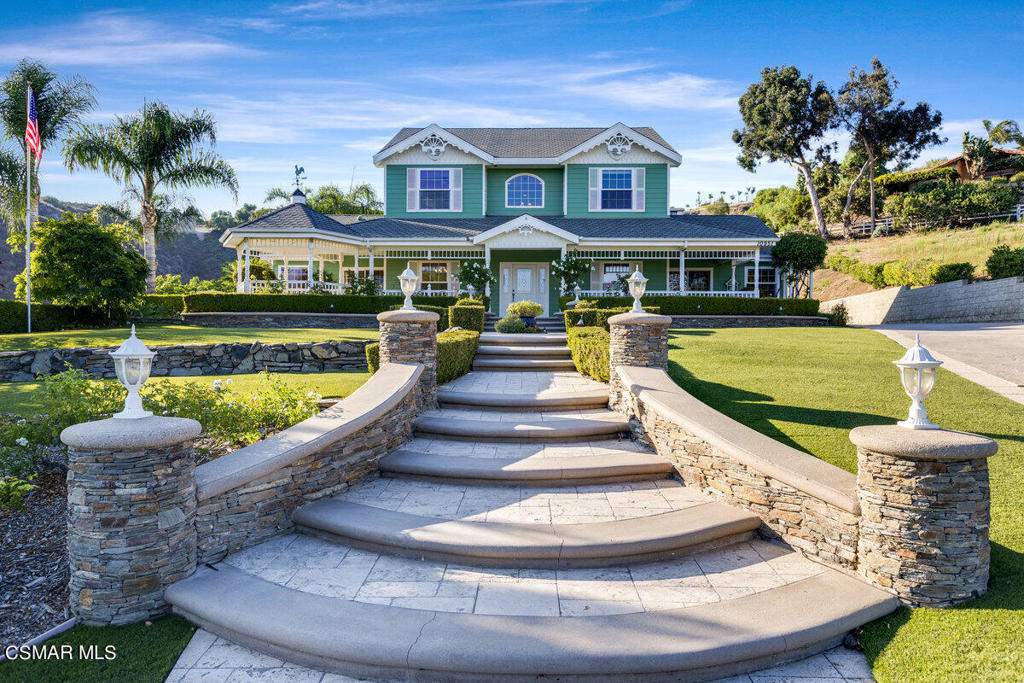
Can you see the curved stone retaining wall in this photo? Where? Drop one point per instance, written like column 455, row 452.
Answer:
column 192, row 359
column 248, row 496
column 807, row 502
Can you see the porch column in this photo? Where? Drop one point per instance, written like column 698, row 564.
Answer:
column 238, row 269
column 487, row 263
column 682, row 271
column 733, row 280
column 372, row 271
column 309, row 269
column 757, row 274
column 247, row 284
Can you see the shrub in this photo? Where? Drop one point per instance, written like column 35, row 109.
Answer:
column 1005, row 262
column 798, row 254
column 590, row 351
column 511, row 324
column 476, row 275
column 12, row 491
column 1017, row 177
column 668, row 304
column 45, row 317
column 717, row 208
column 839, row 316
column 951, row 203
column 162, row 306
column 950, row 272
column 947, row 174
column 570, row 270
column 206, row 302
column 455, row 353
column 524, row 309
column 373, row 357
column 598, row 317
column 467, row 314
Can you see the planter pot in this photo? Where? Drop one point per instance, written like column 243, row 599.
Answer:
column 531, row 321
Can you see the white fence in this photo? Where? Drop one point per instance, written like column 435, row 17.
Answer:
column 304, row 286
column 675, row 292
column 863, row 228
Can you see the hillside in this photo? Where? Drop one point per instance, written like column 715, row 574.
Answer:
column 972, row 245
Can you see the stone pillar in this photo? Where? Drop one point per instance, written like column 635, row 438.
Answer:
column 131, row 510
column 410, row 336
column 638, row 339
column 924, row 499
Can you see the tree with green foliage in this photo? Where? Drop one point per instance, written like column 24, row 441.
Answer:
column 978, row 155
column 782, row 208
column 330, row 199
column 219, row 221
column 848, row 196
column 172, row 218
column 476, row 275
column 785, row 118
column 60, row 106
column 79, row 262
column 882, row 128
column 799, row 254
column 152, row 150
column 571, row 270
column 719, row 207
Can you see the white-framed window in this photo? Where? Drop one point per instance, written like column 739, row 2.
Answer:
column 610, row 273
column 767, row 280
column 293, row 273
column 378, row 275
column 433, row 189
column 697, row 279
column 617, row 189
column 524, row 191
column 433, row 276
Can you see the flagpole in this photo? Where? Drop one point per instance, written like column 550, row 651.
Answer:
column 28, row 214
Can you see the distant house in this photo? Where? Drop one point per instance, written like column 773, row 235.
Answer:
column 517, row 199
column 1002, row 164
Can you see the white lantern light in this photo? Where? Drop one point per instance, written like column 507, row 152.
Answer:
column 576, row 290
column 637, row 286
column 918, row 369
column 409, row 281
column 133, row 362
column 471, row 289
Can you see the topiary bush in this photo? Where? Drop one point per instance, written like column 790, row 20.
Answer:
column 467, row 314
column 1005, row 262
column 524, row 309
column 455, row 353
column 373, row 357
column 590, row 351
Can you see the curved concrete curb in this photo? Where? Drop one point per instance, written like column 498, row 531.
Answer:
column 695, row 643
column 569, row 399
column 571, row 471
column 528, row 545
column 551, row 430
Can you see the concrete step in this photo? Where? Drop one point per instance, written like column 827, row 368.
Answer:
column 503, row 544
column 523, row 364
column 519, row 428
column 522, row 339
column 377, row 641
column 525, row 471
column 541, row 351
column 596, row 398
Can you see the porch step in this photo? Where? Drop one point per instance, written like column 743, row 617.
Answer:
column 387, row 642
column 612, row 466
column 543, row 350
column 553, row 401
column 522, row 364
column 522, row 339
column 449, row 423
column 595, row 544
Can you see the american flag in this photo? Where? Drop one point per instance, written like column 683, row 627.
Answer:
column 32, row 128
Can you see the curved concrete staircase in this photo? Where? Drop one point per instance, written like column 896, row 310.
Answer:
column 519, row 535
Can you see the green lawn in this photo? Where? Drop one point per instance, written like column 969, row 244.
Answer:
column 144, row 654
column 808, row 387
column 22, row 398
column 157, row 335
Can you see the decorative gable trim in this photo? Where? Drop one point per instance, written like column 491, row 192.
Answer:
column 525, row 225
column 433, row 140
column 618, row 140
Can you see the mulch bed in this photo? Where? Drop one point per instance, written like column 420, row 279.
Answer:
column 34, row 561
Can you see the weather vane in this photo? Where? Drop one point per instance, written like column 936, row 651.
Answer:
column 299, row 177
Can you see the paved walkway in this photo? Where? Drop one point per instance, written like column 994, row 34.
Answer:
column 989, row 354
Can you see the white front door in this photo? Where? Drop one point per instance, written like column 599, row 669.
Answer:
column 521, row 282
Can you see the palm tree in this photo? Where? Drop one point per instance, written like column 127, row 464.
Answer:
column 1003, row 132
column 152, row 150
column 330, row 199
column 173, row 218
column 60, row 105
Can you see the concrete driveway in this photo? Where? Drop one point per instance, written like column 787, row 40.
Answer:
column 990, row 354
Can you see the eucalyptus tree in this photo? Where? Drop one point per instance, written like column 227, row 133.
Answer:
column 155, row 149
column 60, row 106
column 785, row 118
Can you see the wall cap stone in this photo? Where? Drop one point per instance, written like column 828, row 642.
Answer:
column 763, row 454
column 384, row 390
column 923, row 444
column 412, row 316
column 634, row 318
column 118, row 434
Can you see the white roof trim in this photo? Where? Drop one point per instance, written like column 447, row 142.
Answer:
column 636, row 137
column 526, row 222
column 418, row 137
column 233, row 236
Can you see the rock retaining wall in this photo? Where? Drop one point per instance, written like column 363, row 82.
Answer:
column 192, row 359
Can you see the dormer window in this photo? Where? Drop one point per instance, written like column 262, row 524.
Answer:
column 524, row 190
column 434, row 189
column 617, row 189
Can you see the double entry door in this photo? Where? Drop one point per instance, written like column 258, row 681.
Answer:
column 523, row 282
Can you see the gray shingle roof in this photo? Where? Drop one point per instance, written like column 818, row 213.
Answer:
column 294, row 217
column 527, row 142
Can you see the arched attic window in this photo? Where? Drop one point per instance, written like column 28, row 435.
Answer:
column 524, row 191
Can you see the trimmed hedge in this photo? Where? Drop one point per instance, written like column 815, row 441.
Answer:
column 455, row 353
column 230, row 302
column 590, row 347
column 442, row 321
column 162, row 305
column 45, row 317
column 467, row 314
column 888, row 179
column 900, row 272
column 710, row 305
column 598, row 317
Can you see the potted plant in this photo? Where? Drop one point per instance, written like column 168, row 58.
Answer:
column 527, row 311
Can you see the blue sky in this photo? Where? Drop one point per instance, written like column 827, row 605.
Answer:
column 324, row 83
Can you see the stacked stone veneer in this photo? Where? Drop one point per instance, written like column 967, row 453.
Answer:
column 256, row 510
column 131, row 509
column 924, row 497
column 637, row 339
column 410, row 336
column 325, row 320
column 192, row 359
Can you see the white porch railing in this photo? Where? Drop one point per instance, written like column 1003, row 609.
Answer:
column 425, row 292
column 663, row 292
column 291, row 286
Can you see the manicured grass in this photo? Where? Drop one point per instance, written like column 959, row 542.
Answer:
column 144, row 654
column 23, row 398
column 158, row 335
column 808, row 387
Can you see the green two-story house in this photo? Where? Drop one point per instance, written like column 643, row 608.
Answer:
column 517, row 199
